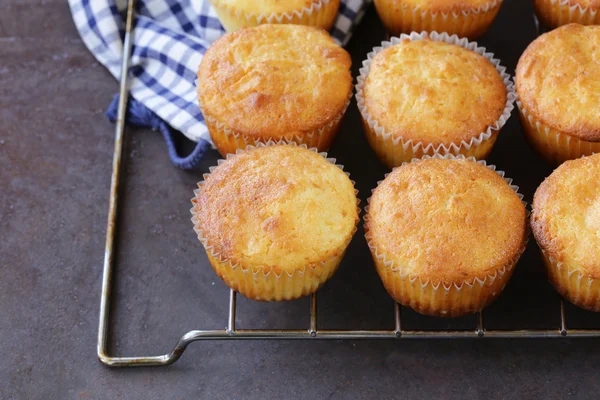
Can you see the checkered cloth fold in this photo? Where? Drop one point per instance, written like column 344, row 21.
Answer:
column 170, row 37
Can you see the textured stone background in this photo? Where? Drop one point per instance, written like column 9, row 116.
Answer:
column 55, row 160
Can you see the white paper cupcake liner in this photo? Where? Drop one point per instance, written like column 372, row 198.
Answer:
column 449, row 297
column 554, row 13
column 466, row 23
column 318, row 14
column 553, row 145
column 410, row 147
column 228, row 140
column 268, row 284
column 575, row 286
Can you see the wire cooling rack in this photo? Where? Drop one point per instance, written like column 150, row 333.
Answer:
column 312, row 332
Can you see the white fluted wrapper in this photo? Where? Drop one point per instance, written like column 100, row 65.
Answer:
column 321, row 14
column 228, row 141
column 439, row 298
column 264, row 283
column 394, row 150
column 554, row 13
column 580, row 289
column 473, row 23
column 555, row 146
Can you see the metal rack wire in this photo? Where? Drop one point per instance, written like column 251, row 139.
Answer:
column 231, row 333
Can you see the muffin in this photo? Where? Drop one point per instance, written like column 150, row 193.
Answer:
column 275, row 220
column 553, row 13
column 445, row 234
column 558, row 85
column 428, row 94
column 465, row 18
column 236, row 14
column 566, row 222
column 274, row 82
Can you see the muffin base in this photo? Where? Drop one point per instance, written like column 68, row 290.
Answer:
column 440, row 299
column 402, row 19
column 581, row 290
column 321, row 15
column 265, row 283
column 393, row 151
column 554, row 146
column 228, row 141
column 554, row 13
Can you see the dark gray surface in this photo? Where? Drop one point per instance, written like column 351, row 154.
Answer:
column 55, row 160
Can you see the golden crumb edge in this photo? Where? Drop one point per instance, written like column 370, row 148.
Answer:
column 558, row 80
column 566, row 215
column 452, row 97
column 274, row 81
column 278, row 208
column 446, row 221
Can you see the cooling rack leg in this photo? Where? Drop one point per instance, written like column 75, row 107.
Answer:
column 480, row 329
column 114, row 193
column 398, row 320
column 108, row 266
column 231, row 320
column 313, row 315
column 563, row 320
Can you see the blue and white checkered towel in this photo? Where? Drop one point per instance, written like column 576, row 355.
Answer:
column 170, row 37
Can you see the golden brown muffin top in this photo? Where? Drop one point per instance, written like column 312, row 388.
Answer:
column 448, row 221
column 434, row 92
column 566, row 215
column 558, row 80
column 268, row 6
column 280, row 207
column 445, row 5
column 275, row 80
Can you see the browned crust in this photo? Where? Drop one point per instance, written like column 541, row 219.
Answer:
column 526, row 66
column 421, row 130
column 539, row 227
column 246, row 207
column 543, row 231
column 423, row 186
column 280, row 97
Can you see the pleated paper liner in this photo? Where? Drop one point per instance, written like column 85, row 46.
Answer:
column 578, row 288
column 265, row 283
column 472, row 24
column 553, row 145
column 554, row 13
column 393, row 150
column 228, row 141
column 443, row 299
column 320, row 14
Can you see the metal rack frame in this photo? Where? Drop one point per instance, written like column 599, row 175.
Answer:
column 231, row 333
